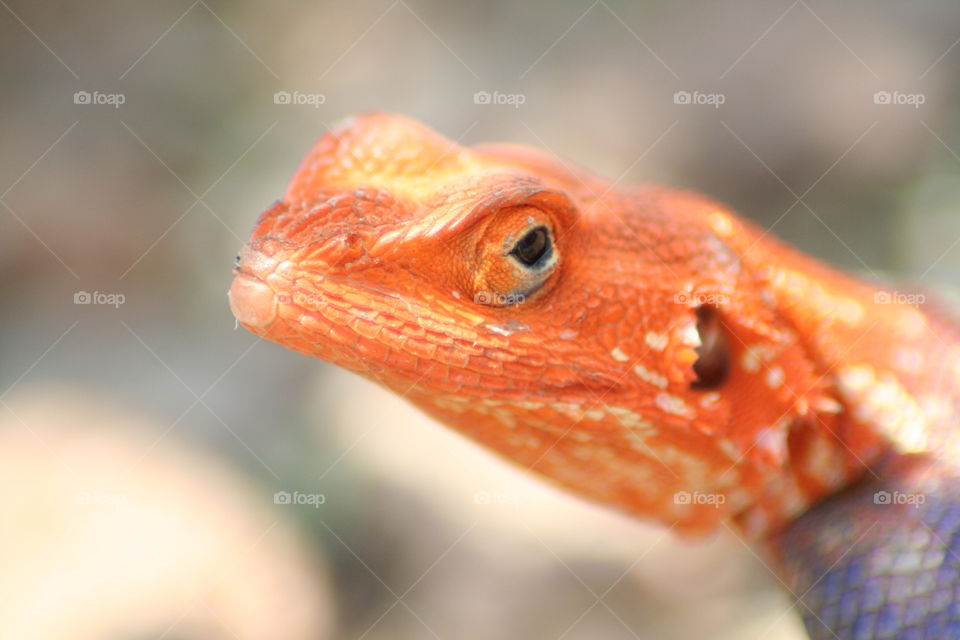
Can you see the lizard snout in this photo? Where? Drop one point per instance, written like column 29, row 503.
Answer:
column 252, row 301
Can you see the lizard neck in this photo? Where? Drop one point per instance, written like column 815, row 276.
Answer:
column 890, row 361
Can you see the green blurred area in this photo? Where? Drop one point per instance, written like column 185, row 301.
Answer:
column 151, row 199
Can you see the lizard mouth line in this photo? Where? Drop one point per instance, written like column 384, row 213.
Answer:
column 256, row 304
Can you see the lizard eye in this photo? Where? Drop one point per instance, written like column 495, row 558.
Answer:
column 534, row 249
column 517, row 253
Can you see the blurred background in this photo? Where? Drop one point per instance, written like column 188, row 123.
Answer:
column 166, row 475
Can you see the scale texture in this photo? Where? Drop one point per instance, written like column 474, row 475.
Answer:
column 641, row 346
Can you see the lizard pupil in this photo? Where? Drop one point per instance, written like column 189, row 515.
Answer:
column 532, row 247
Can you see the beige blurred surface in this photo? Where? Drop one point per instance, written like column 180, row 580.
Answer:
column 152, row 199
column 492, row 512
column 113, row 530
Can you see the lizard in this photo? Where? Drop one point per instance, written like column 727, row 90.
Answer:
column 641, row 346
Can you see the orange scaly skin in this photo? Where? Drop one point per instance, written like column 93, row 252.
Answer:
column 388, row 256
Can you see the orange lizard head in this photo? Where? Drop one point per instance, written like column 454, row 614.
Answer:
column 579, row 328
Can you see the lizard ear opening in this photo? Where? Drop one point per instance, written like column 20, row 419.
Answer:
column 713, row 355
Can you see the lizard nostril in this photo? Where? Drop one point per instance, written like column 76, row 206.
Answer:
column 335, row 250
column 713, row 361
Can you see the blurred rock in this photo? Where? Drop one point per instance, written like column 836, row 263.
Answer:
column 114, row 529
column 489, row 544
